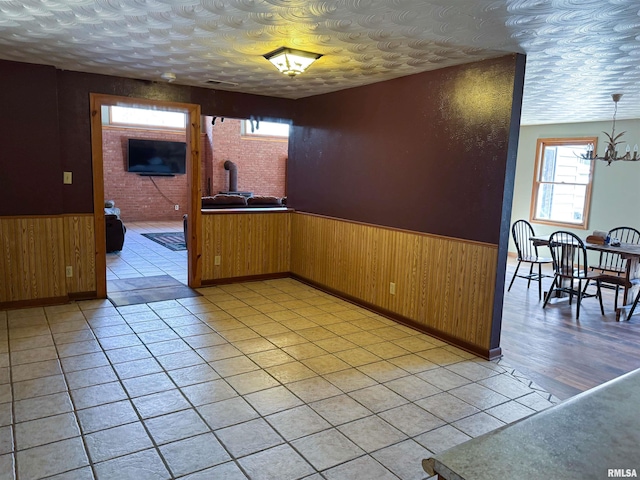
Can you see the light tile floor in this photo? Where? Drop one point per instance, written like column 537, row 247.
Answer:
column 141, row 257
column 260, row 380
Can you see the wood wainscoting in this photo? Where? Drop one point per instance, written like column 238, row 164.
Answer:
column 35, row 253
column 32, row 268
column 443, row 285
column 80, row 254
column 250, row 244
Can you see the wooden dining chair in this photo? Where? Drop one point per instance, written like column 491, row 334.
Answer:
column 612, row 266
column 522, row 232
column 570, row 264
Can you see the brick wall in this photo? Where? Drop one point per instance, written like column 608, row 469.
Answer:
column 135, row 195
column 262, row 162
column 261, row 169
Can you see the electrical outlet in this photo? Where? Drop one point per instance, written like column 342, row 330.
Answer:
column 67, row 178
column 69, row 271
column 216, row 260
column 177, row 207
column 392, row 288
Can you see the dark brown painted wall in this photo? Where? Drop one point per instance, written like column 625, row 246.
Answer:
column 30, row 173
column 45, row 124
column 426, row 152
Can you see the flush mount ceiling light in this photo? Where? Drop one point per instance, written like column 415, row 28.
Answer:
column 291, row 62
column 168, row 77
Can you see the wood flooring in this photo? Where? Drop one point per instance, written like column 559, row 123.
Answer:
column 564, row 355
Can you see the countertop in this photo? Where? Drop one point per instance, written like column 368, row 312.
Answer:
column 581, row 438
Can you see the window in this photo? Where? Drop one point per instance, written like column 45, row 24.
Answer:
column 562, row 182
column 265, row 129
column 147, row 117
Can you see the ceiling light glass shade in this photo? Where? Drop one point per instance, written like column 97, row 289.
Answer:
column 291, row 62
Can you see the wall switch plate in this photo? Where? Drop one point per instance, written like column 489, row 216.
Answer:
column 69, row 271
column 67, row 178
column 177, row 207
column 392, row 288
column 216, row 260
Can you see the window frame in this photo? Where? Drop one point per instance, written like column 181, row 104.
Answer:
column 144, row 126
column 246, row 134
column 541, row 145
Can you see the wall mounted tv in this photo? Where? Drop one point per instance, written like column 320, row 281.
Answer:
column 156, row 157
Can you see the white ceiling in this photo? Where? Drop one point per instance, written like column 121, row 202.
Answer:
column 579, row 52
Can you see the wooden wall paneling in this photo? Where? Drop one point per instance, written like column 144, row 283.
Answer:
column 33, row 259
column 249, row 244
column 446, row 285
column 80, row 253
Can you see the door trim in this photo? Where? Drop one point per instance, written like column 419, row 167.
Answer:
column 194, row 234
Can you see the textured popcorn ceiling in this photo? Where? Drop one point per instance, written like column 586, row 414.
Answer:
column 578, row 51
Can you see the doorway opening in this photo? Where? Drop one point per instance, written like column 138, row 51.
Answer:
column 146, row 176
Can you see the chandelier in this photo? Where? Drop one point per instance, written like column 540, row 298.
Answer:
column 611, row 152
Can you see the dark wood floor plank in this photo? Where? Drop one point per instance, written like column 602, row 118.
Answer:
column 564, row 355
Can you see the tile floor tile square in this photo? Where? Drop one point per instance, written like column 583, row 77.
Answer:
column 361, row 468
column 443, row 379
column 233, row 366
column 161, row 403
column 378, row 398
column 117, row 441
column 46, row 430
column 510, row 412
column 208, row 392
column 340, row 409
column 98, row 395
column 404, row 459
column 50, row 459
column 30, row 371
column 371, row 433
column 441, row 439
column 297, row 422
column 471, row 370
column 227, row 412
column 325, row 364
column 412, row 387
column 281, row 462
column 478, row 424
column 6, row 440
column 89, row 377
column 447, row 407
column 291, row 372
column 249, row 437
column 272, row 400
column 137, row 368
column 193, row 454
column 349, row 380
column 148, row 384
column 145, row 465
column 176, row 426
column 38, row 387
column 326, row 449
column 226, row 471
column 412, row 419
column 252, row 382
column 201, row 373
column 478, row 396
column 38, row 407
column 106, row 416
column 383, row 371
column 270, row 358
column 313, row 389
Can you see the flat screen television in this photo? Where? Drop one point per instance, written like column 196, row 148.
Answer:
column 156, row 157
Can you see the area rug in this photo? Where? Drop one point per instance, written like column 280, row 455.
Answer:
column 172, row 240
column 133, row 291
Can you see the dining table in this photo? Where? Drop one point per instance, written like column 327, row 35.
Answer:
column 629, row 252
